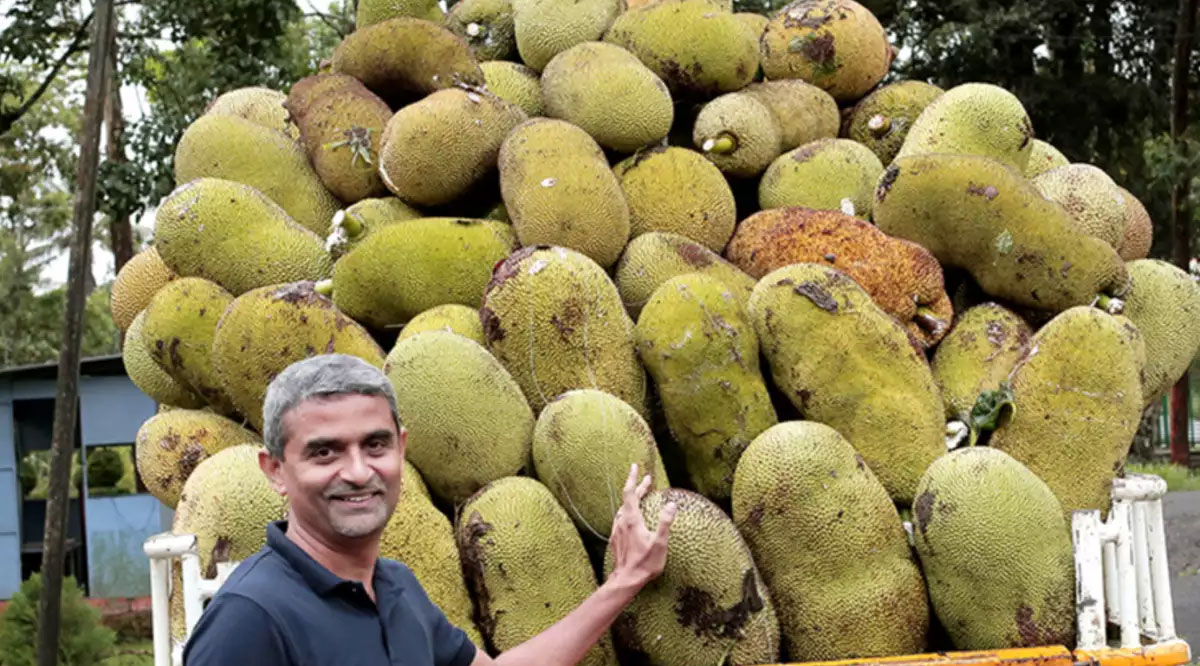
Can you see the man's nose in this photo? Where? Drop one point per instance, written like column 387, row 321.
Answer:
column 357, row 469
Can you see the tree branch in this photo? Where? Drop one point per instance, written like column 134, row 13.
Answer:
column 7, row 120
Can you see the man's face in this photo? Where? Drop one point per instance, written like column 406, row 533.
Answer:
column 343, row 465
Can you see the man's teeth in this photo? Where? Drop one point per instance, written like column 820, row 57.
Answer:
column 357, row 498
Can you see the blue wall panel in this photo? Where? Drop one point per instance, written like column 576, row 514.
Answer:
column 111, row 410
column 116, row 529
column 10, row 500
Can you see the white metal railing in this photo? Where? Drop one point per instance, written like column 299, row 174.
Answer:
column 163, row 549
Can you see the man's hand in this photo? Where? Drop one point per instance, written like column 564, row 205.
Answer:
column 639, row 555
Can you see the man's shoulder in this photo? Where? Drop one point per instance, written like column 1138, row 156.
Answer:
column 264, row 577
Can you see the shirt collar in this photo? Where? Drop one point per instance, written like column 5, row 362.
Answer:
column 319, row 578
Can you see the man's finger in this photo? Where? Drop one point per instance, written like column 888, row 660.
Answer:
column 643, row 487
column 665, row 518
column 631, row 479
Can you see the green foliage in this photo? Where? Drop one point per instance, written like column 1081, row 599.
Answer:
column 83, row 641
column 29, row 478
column 104, row 467
column 1178, row 477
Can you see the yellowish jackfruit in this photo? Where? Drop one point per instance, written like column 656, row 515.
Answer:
column 516, row 84
column 452, row 317
column 1091, row 198
column 545, row 28
column 827, row 174
column 370, row 12
column 487, row 25
column 977, row 356
column 803, row 111
column 673, row 189
column 973, row 119
column 341, row 132
column 1042, row 158
column 657, row 256
column 353, row 223
column 170, row 445
column 312, row 87
column 738, row 133
column 1139, row 230
column 1164, row 304
column 881, row 120
column 148, row 375
column 257, row 104
column 755, row 21
column 135, row 284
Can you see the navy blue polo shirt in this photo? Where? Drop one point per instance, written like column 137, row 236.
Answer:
column 281, row 607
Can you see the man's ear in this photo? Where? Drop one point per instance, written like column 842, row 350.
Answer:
column 272, row 467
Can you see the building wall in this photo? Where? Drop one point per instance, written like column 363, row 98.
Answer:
column 10, row 499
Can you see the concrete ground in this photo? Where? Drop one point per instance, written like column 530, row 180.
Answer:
column 1181, row 515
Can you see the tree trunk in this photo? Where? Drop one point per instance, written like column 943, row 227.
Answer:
column 67, row 394
column 120, row 230
column 1180, row 215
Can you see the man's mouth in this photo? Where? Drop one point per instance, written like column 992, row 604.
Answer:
column 356, row 498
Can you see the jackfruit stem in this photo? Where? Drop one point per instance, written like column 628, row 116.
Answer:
column 1110, row 304
column 722, row 144
column 879, row 125
column 324, row 287
column 928, row 321
column 352, row 226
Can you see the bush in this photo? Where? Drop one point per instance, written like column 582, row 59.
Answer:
column 29, row 477
column 82, row 640
column 104, row 468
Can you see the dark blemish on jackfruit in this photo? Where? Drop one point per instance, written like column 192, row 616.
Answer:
column 996, row 333
column 169, row 442
column 192, row 454
column 1031, row 634
column 755, row 516
column 507, row 267
column 990, row 191
column 1026, row 132
column 491, row 325
column 820, row 50
column 923, row 509
column 220, row 553
column 329, row 345
column 473, row 558
column 296, row 292
column 885, row 184
column 173, row 352
column 696, row 608
column 694, row 254
column 645, row 154
column 625, row 635
column 817, row 294
column 804, row 154
column 858, row 460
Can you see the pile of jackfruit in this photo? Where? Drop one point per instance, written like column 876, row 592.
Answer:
column 876, row 340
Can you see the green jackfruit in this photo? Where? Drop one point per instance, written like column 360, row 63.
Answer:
column 404, row 269
column 468, row 422
column 853, row 590
column 710, row 604
column 545, row 28
column 487, row 25
column 803, row 111
column 436, row 149
column 135, row 284
column 420, row 536
column 169, row 446
column 869, row 381
column 996, row 552
column 179, row 326
column 657, row 256
column 370, row 12
column 404, row 59
column 353, row 223
column 257, row 104
column 148, row 376
column 452, row 317
column 837, row 45
column 695, row 340
column 610, row 94
column 826, row 174
column 525, row 564
column 1164, row 304
column 881, row 120
column 753, row 20
column 217, row 229
column 1139, row 230
column 235, row 149
column 739, row 134
column 973, row 119
column 697, row 49
column 1077, row 401
column 265, row 330
column 555, row 320
column 560, row 190
column 1042, row 158
column 583, row 444
column 516, row 84
column 980, row 215
column 341, row 132
column 673, row 189
column 312, row 87
column 1091, row 198
column 977, row 356
column 902, row 277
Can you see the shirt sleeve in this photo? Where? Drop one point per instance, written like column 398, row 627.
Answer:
column 453, row 646
column 235, row 630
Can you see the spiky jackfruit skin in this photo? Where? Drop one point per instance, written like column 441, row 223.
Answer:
column 402, row 270
column 980, row 215
column 555, row 320
column 824, row 174
column 516, row 84
column 673, row 189
column 312, row 87
column 217, row 229
column 697, row 49
column 610, row 94
column 403, row 59
column 371, row 12
column 710, row 605
column 657, row 256
column 525, row 564
column 434, row 150
column 853, row 589
column 837, row 45
column 1164, row 304
column 135, row 285
column 901, row 277
column 973, row 119
column 341, row 133
column 700, row 348
column 869, row 382
column 148, row 375
column 170, row 445
column 420, row 536
column 881, row 120
column 584, row 442
column 257, row 104
column 487, row 25
column 233, row 148
column 1077, row 400
column 180, row 322
column 804, row 112
column 353, row 224
column 1091, row 198
column 753, row 20
column 977, row 355
column 468, row 422
column 265, row 330
column 996, row 552
column 1042, row 158
column 1139, row 229
column 747, row 123
column 560, row 190
column 452, row 317
column 545, row 28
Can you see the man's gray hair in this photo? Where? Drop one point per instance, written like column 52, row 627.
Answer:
column 317, row 377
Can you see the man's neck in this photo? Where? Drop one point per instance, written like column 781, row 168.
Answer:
column 352, row 561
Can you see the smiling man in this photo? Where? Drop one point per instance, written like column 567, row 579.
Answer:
column 319, row 594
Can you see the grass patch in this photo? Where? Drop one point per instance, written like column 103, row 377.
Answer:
column 134, row 653
column 1176, row 476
